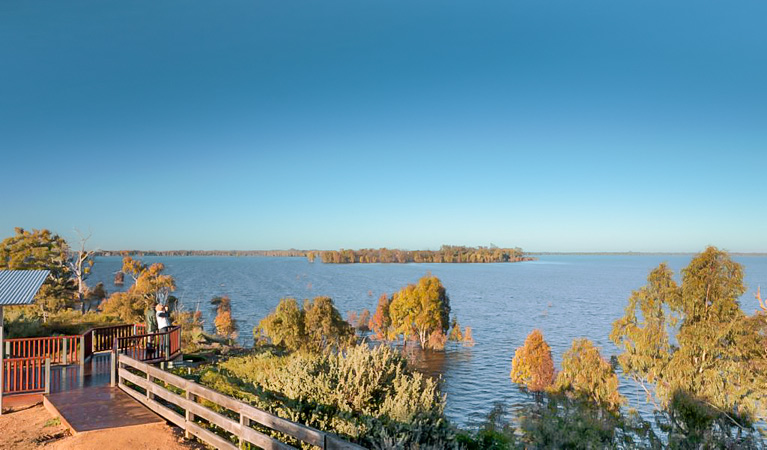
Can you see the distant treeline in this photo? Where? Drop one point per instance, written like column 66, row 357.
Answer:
column 446, row 254
column 291, row 252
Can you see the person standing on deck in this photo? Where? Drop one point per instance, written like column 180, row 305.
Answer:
column 163, row 317
column 150, row 318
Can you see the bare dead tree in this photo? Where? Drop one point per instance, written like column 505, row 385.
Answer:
column 80, row 264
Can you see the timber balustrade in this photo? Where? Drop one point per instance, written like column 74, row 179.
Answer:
column 180, row 404
column 80, row 348
column 26, row 375
column 104, row 337
column 151, row 347
column 60, row 349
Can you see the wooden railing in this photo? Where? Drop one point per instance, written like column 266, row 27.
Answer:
column 23, row 375
column 144, row 387
column 88, row 344
column 104, row 337
column 151, row 347
column 60, row 349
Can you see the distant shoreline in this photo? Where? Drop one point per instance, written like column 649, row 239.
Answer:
column 638, row 253
column 303, row 253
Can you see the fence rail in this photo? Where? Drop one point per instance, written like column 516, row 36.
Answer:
column 167, row 403
column 24, row 375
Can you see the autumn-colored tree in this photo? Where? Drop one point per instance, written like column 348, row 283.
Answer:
column 132, row 267
column 41, row 250
column 532, row 365
column 225, row 324
column 151, row 286
column 421, row 309
column 380, row 323
column 468, row 339
column 362, row 321
column 719, row 352
column 587, row 376
column 455, row 331
column 352, row 317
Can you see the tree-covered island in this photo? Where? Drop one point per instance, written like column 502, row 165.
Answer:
column 446, row 254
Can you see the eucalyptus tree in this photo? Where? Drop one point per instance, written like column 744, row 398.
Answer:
column 691, row 344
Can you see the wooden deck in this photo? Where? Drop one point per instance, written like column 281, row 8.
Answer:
column 98, row 408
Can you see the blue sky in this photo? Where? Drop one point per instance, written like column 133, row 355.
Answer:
column 549, row 125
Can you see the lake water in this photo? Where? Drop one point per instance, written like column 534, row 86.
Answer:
column 565, row 296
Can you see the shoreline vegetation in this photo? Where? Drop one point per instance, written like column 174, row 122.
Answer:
column 701, row 360
column 294, row 253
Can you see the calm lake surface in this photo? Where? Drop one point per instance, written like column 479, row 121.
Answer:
column 565, row 296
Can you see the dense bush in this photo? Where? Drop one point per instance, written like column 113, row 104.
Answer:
column 369, row 396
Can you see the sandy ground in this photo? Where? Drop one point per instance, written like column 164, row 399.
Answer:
column 26, row 428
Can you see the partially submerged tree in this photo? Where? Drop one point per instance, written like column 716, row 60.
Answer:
column 380, row 323
column 315, row 327
column 532, row 365
column 421, row 310
column 362, row 321
column 719, row 352
column 587, row 376
column 324, row 326
column 226, row 326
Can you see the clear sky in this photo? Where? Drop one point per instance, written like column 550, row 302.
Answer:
column 553, row 125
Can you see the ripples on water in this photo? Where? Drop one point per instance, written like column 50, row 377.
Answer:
column 564, row 296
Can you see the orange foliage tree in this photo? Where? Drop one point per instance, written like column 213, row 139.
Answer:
column 380, row 323
column 225, row 324
column 532, row 365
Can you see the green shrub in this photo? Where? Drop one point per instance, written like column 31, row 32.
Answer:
column 369, row 396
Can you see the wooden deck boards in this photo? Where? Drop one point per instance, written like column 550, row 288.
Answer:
column 97, row 408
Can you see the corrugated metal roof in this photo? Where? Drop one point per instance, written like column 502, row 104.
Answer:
column 18, row 287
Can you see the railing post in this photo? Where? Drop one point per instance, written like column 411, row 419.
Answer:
column 47, row 375
column 244, row 422
column 65, row 351
column 166, row 342
column 114, row 366
column 81, row 353
column 189, row 417
column 149, row 395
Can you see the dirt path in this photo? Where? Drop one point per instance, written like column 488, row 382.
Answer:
column 35, row 427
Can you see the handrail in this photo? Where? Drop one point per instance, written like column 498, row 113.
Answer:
column 22, row 375
column 80, row 348
column 61, row 349
column 127, row 380
column 104, row 337
column 160, row 346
